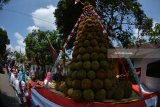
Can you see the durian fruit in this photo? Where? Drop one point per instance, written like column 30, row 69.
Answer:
column 89, row 37
column 88, row 95
column 89, row 49
column 73, row 66
column 101, row 74
column 107, row 84
column 86, row 43
column 79, row 65
column 96, row 49
column 103, row 49
column 95, row 65
column 86, row 57
column 127, row 92
column 97, row 84
column 91, row 75
column 94, row 42
column 69, row 92
column 81, row 50
column 110, row 93
column 79, row 57
column 127, row 87
column 74, row 74
column 87, row 65
column 86, row 84
column 118, row 93
column 81, row 74
column 68, row 82
column 101, row 56
column 75, row 43
column 76, row 84
column 94, row 56
column 104, row 64
column 100, row 95
column 76, row 95
column 109, row 74
column 114, row 81
column 69, row 74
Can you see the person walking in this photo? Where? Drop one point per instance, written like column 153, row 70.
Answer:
column 48, row 79
column 17, row 90
column 32, row 83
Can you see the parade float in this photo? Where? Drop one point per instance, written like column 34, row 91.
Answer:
column 92, row 77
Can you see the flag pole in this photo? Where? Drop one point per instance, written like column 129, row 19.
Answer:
column 81, row 2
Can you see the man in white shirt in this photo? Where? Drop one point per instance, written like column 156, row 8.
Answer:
column 16, row 86
column 13, row 70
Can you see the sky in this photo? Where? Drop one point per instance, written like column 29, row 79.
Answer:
column 20, row 17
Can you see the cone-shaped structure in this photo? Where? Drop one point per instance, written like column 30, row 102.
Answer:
column 92, row 75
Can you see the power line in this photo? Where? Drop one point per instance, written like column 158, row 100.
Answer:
column 29, row 15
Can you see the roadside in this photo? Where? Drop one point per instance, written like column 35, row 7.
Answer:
column 7, row 95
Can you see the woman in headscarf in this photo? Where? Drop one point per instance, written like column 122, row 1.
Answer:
column 27, row 77
column 21, row 73
column 48, row 79
column 32, row 83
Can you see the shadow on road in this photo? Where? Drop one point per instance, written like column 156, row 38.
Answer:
column 7, row 101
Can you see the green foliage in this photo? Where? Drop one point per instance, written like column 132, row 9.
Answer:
column 155, row 34
column 37, row 47
column 4, row 40
column 120, row 16
column 20, row 57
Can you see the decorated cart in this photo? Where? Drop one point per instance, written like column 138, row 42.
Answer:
column 92, row 79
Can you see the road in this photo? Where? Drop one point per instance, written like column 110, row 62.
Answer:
column 7, row 95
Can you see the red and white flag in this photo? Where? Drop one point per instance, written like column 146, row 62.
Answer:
column 76, row 1
column 51, row 48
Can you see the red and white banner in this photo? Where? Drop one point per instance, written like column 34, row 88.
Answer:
column 43, row 97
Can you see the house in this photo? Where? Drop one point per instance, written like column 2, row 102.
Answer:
column 140, row 52
column 147, row 65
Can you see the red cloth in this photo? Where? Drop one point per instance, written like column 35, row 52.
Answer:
column 28, row 98
column 67, row 102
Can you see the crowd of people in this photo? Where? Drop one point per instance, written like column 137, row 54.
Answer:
column 22, row 80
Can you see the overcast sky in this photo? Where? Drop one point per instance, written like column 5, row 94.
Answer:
column 19, row 17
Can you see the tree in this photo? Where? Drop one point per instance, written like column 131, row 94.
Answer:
column 120, row 16
column 3, row 2
column 3, row 42
column 20, row 57
column 37, row 48
column 154, row 35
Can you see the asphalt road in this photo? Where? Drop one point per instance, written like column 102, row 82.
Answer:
column 7, row 95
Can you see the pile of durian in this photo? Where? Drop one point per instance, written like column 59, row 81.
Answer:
column 92, row 75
